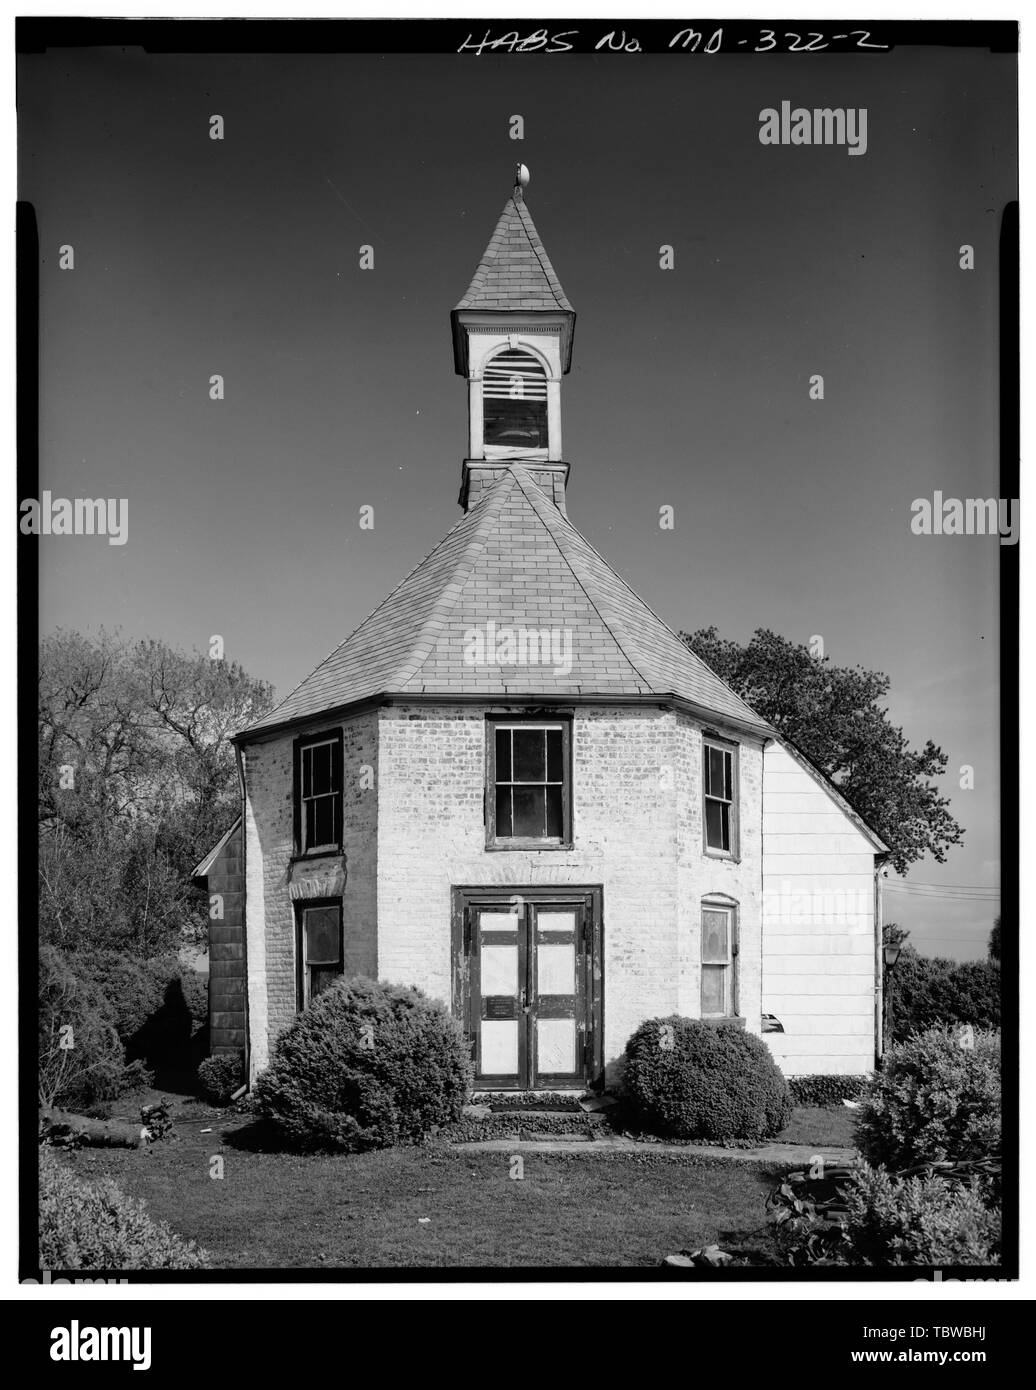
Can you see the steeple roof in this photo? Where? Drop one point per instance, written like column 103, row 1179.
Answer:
column 515, row 560
column 515, row 272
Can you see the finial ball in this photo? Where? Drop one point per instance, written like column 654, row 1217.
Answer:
column 522, row 176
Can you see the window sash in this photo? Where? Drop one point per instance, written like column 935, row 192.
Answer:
column 718, row 964
column 529, row 790
column 319, row 825
column 718, row 782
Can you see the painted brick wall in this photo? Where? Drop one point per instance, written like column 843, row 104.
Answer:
column 818, row 914
column 270, row 912
column 805, row 954
column 737, row 880
column 636, row 784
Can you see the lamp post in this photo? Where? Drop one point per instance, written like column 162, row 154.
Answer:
column 891, row 956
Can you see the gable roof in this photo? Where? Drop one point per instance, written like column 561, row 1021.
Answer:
column 515, row 271
column 204, row 867
column 516, row 561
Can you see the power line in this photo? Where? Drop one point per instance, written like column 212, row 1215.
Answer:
column 913, row 883
column 971, row 894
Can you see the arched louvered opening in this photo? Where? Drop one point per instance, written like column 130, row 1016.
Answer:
column 514, row 403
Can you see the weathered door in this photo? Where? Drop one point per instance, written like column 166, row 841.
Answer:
column 528, row 986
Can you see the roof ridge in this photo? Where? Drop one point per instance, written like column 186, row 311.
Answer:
column 485, row 514
column 610, row 623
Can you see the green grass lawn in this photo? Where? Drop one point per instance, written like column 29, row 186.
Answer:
column 823, row 1125
column 276, row 1210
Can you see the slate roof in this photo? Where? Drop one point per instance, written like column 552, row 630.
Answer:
column 515, row 271
column 516, row 560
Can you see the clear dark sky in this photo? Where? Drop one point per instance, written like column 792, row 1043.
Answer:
column 689, row 387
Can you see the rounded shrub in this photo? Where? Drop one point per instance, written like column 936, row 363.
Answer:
column 366, row 1066
column 936, row 1098
column 219, row 1077
column 94, row 1225
column 693, row 1080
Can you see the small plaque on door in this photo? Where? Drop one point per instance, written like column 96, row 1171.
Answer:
column 499, row 1006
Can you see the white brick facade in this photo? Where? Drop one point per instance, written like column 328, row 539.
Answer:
column 419, row 831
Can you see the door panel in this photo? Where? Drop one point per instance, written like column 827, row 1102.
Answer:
column 527, row 985
column 558, row 938
column 497, row 973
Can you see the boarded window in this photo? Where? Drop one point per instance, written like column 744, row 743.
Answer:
column 514, row 401
column 719, row 797
column 718, row 953
column 320, row 949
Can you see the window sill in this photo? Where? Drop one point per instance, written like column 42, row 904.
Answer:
column 722, row 854
column 314, row 855
column 497, row 846
column 714, row 1020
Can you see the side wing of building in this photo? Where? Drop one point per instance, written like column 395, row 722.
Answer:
column 821, row 936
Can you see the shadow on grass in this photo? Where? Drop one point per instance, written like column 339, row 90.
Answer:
column 257, row 1135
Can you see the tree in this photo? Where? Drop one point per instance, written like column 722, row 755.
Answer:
column 835, row 716
column 994, row 941
column 933, row 991
column 137, row 779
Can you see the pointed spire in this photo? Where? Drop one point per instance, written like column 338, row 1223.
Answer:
column 515, row 272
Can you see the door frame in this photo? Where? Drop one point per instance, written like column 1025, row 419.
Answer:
column 464, row 896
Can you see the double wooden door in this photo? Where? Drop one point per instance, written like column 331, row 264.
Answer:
column 528, row 985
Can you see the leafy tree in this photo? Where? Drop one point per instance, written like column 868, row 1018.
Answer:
column 994, row 941
column 137, row 779
column 933, row 992
column 835, row 716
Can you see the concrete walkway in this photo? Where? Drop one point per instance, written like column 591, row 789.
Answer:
column 801, row 1155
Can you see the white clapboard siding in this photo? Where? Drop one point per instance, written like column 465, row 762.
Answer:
column 817, row 1046
column 821, row 943
column 835, row 1025
column 789, row 842
column 815, row 1005
column 816, row 964
column 808, row 924
column 778, row 987
column 818, row 924
column 809, row 862
column 826, row 822
column 835, row 1064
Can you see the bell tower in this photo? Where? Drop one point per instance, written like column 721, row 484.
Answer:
column 512, row 341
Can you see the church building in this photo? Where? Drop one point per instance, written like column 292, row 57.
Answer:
column 516, row 788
